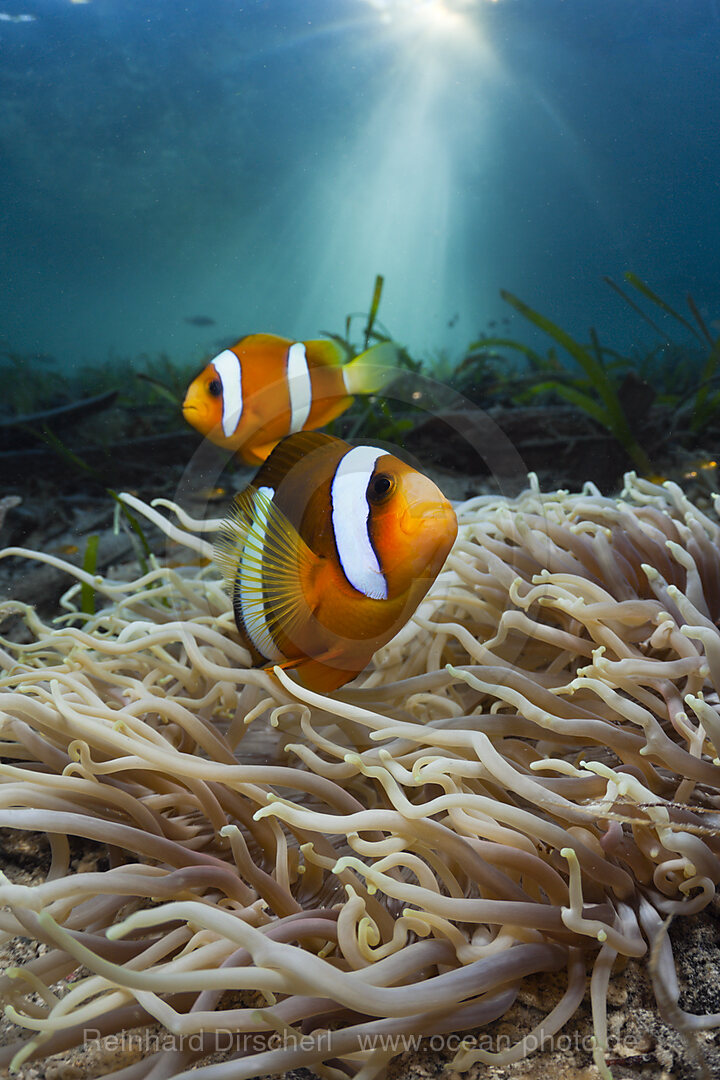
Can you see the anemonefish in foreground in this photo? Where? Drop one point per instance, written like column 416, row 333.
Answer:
column 327, row 554
column 266, row 387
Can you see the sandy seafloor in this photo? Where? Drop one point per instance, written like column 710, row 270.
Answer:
column 642, row 1044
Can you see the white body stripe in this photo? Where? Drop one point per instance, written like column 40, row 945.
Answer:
column 299, row 385
column 252, row 605
column 350, row 513
column 229, row 372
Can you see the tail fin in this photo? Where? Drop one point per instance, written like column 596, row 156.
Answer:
column 372, row 370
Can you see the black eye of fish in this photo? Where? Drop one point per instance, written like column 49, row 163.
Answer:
column 380, row 488
column 215, row 387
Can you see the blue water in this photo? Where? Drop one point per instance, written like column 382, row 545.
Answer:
column 257, row 163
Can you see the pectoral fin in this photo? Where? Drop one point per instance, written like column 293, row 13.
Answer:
column 263, row 560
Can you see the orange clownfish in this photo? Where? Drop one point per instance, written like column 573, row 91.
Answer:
column 266, row 387
column 327, row 554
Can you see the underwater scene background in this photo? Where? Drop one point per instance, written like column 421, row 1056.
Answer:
column 482, row 834
column 168, row 164
column 176, row 175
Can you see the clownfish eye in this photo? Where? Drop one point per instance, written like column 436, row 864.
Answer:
column 380, row 488
column 215, row 387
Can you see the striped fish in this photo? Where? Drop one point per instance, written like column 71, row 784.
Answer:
column 266, row 387
column 328, row 552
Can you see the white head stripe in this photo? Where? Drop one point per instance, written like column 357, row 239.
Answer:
column 350, row 513
column 252, row 604
column 299, row 385
column 228, row 368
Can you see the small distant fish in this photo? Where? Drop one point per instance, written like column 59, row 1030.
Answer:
column 6, row 17
column 699, row 466
column 327, row 554
column 199, row 320
column 8, row 503
column 41, row 358
column 210, row 494
column 266, row 387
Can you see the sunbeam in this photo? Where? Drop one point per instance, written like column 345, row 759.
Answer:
column 388, row 195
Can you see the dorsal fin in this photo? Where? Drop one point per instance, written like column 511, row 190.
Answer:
column 325, row 353
column 263, row 340
column 263, row 560
column 288, row 453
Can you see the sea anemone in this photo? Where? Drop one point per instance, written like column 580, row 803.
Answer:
column 525, row 781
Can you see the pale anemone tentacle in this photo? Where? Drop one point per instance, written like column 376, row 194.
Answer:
column 526, row 779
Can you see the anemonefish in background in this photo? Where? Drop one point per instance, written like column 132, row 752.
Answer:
column 266, row 387
column 327, row 554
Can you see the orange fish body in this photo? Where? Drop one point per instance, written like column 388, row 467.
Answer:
column 266, row 387
column 328, row 553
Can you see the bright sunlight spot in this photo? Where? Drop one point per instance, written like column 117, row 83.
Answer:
column 436, row 15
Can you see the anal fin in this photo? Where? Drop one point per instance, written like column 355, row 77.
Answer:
column 320, row 674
